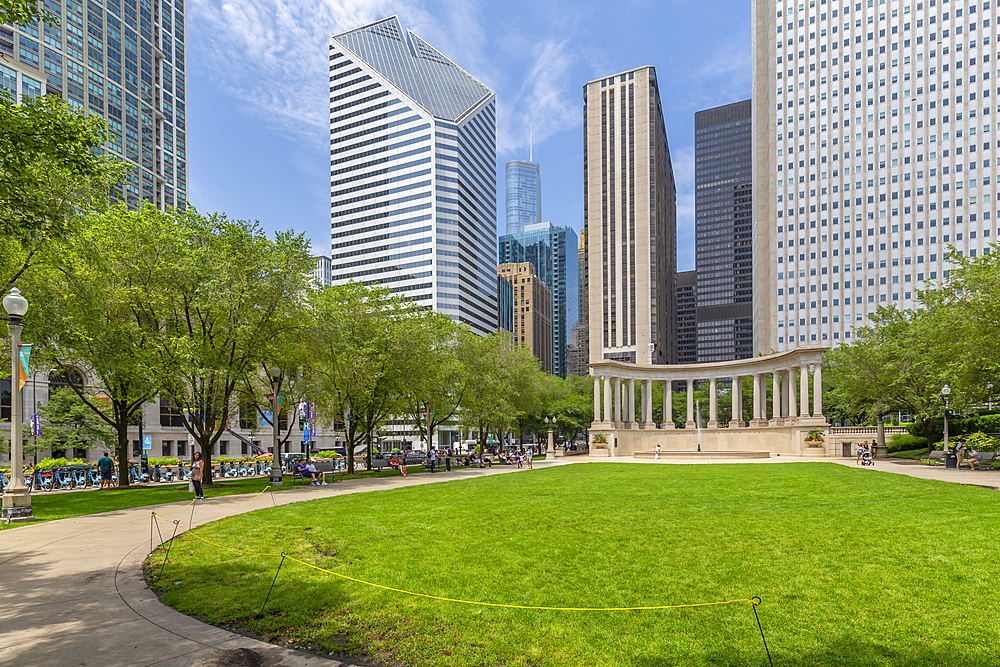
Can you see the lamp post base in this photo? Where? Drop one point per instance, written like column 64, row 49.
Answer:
column 275, row 480
column 16, row 507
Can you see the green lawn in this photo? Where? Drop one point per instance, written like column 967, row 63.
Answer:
column 56, row 505
column 855, row 567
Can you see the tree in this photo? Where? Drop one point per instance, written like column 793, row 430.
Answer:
column 365, row 339
column 50, row 177
column 91, row 313
column 436, row 376
column 69, row 423
column 223, row 292
column 892, row 364
column 24, row 12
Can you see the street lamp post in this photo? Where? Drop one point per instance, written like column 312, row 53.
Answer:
column 16, row 499
column 275, row 373
column 945, row 392
column 551, row 449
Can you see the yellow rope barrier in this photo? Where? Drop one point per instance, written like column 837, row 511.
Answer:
column 752, row 601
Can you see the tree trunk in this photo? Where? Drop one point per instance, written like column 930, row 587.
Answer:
column 123, row 478
column 206, row 456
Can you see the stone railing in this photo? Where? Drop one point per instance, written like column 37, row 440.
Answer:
column 867, row 430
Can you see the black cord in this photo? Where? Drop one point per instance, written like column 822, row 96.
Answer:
column 753, row 605
column 268, row 597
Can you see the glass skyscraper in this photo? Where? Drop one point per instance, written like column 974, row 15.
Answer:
column 412, row 167
column 523, row 190
column 723, row 219
column 123, row 60
column 553, row 252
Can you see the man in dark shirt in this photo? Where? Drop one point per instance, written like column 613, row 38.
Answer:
column 107, row 467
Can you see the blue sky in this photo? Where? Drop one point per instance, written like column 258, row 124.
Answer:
column 259, row 109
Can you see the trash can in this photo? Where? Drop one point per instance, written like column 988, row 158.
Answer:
column 950, row 460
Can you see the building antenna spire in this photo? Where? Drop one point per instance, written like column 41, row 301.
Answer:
column 530, row 147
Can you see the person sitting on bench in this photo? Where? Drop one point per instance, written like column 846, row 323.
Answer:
column 309, row 470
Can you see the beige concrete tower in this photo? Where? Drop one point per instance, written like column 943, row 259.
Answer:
column 629, row 220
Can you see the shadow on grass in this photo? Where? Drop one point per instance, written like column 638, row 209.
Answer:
column 843, row 651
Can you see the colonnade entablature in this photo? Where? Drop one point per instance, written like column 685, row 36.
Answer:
column 789, row 373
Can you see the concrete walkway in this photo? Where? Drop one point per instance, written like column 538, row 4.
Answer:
column 74, row 595
column 73, row 592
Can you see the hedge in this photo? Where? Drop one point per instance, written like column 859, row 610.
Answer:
column 903, row 442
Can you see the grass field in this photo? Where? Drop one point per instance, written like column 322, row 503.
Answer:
column 56, row 505
column 854, row 567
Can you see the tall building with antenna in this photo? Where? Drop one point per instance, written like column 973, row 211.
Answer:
column 523, row 188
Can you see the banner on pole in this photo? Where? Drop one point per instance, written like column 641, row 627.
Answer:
column 25, row 354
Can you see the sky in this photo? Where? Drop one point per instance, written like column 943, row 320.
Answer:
column 258, row 94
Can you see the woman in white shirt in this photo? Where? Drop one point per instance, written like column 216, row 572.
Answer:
column 197, row 474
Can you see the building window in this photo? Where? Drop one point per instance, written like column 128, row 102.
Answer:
column 181, row 448
column 223, row 447
column 165, row 448
column 136, row 448
column 169, row 414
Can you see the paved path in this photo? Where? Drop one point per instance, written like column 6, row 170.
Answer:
column 73, row 592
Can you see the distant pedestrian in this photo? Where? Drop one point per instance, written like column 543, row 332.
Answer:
column 107, row 468
column 433, row 459
column 529, row 457
column 859, row 449
column 447, row 460
column 197, row 474
column 657, row 457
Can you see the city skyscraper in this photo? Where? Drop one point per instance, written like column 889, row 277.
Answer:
column 723, row 218
column 686, row 287
column 629, row 217
column 140, row 90
column 321, row 272
column 532, row 310
column 580, row 351
column 412, row 164
column 523, row 194
column 874, row 153
column 552, row 251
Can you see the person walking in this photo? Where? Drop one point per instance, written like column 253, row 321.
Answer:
column 447, row 460
column 657, row 457
column 107, row 468
column 197, row 475
column 433, row 458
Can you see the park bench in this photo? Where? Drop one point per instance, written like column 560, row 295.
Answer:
column 935, row 458
column 330, row 468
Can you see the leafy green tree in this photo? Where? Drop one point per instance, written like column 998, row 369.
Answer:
column 69, row 422
column 223, row 292
column 50, row 177
column 90, row 313
column 366, row 342
column 23, row 12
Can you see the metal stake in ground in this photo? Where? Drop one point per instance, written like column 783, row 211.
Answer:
column 754, row 601
column 268, row 597
column 169, row 544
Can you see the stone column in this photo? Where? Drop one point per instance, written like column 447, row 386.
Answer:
column 668, row 406
column 803, row 392
column 737, row 418
column 785, row 393
column 690, row 405
column 647, row 404
column 818, row 392
column 607, row 399
column 757, row 400
column 597, row 399
column 618, row 402
column 776, row 399
column 631, row 403
column 713, row 418
column 793, row 405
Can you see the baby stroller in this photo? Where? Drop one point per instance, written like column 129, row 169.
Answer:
column 867, row 459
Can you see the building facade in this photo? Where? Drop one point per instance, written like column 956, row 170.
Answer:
column 322, row 271
column 723, row 230
column 523, row 193
column 412, row 159
column 686, row 286
column 125, row 62
column 874, row 153
column 629, row 214
column 532, row 310
column 505, row 305
column 550, row 250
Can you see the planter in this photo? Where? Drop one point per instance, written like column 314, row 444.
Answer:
column 814, row 448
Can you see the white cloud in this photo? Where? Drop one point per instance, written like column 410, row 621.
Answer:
column 272, row 54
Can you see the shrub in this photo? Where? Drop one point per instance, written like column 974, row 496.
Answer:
column 326, row 454
column 815, row 435
column 45, row 464
column 165, row 461
column 903, row 442
column 982, row 442
column 600, row 438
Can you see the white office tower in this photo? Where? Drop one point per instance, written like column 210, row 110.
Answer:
column 413, row 173
column 875, row 149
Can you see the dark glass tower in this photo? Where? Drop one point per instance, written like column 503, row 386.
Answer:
column 552, row 251
column 723, row 219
